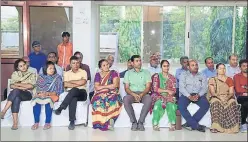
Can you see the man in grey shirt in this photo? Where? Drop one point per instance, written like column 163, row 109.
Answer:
column 193, row 88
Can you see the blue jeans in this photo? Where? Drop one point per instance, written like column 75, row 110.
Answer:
column 37, row 110
column 193, row 121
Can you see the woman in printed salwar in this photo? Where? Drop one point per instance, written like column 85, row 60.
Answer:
column 163, row 91
column 106, row 102
column 49, row 87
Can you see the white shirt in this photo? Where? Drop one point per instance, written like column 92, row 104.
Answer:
column 153, row 70
column 231, row 71
column 58, row 69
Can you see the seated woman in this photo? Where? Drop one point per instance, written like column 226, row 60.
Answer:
column 22, row 82
column 49, row 86
column 106, row 102
column 163, row 96
column 224, row 109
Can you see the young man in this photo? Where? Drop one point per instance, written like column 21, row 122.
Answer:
column 129, row 67
column 37, row 58
column 75, row 83
column 65, row 51
column 137, row 83
column 52, row 56
column 184, row 63
column 232, row 68
column 193, row 88
column 85, row 67
column 241, row 89
column 209, row 71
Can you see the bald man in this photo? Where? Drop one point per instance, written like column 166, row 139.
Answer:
column 111, row 60
column 192, row 89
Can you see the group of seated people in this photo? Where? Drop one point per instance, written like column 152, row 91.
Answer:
column 223, row 90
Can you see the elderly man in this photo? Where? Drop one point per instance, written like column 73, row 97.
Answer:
column 154, row 65
column 232, row 68
column 193, row 89
column 209, row 71
column 52, row 56
column 184, row 63
column 31, row 69
column 111, row 60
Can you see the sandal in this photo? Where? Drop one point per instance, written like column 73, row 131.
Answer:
column 47, row 126
column 35, row 126
column 214, row 130
column 172, row 128
column 156, row 128
column 14, row 127
column 111, row 124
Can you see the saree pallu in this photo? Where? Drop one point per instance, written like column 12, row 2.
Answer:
column 225, row 114
column 106, row 104
column 162, row 101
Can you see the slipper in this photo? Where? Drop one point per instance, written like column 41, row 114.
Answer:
column 156, row 128
column 35, row 126
column 47, row 126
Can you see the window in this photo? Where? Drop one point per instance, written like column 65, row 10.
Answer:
column 11, row 31
column 240, row 32
column 47, row 24
column 211, row 33
column 122, row 23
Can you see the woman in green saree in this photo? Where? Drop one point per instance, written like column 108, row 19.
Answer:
column 163, row 91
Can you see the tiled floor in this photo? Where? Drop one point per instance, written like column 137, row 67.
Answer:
column 119, row 134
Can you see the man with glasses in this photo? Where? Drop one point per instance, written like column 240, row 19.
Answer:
column 85, row 67
column 37, row 58
column 52, row 56
column 154, row 65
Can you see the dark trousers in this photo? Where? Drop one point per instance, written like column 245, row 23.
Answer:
column 71, row 99
column 177, row 95
column 16, row 96
column 37, row 110
column 193, row 121
column 243, row 100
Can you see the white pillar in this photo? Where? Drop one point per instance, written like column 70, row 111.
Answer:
column 86, row 32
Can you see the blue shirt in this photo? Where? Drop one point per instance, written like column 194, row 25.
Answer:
column 209, row 73
column 37, row 60
column 178, row 73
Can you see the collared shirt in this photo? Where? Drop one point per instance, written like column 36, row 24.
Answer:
column 177, row 75
column 192, row 84
column 240, row 83
column 209, row 73
column 64, row 54
column 80, row 74
column 153, row 70
column 137, row 80
column 58, row 69
column 37, row 60
column 231, row 71
column 83, row 67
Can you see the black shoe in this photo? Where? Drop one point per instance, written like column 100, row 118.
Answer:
column 201, row 128
column 71, row 125
column 58, row 111
column 186, row 126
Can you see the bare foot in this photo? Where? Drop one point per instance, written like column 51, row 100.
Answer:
column 14, row 127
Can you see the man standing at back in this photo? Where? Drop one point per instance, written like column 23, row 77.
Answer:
column 137, row 83
column 209, row 71
column 232, row 68
column 65, row 51
column 37, row 58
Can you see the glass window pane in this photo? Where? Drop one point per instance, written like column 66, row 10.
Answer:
column 120, row 28
column 11, row 31
column 240, row 32
column 47, row 24
column 211, row 33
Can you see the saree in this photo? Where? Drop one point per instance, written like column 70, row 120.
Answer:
column 162, row 101
column 225, row 114
column 24, row 77
column 47, row 83
column 106, row 103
